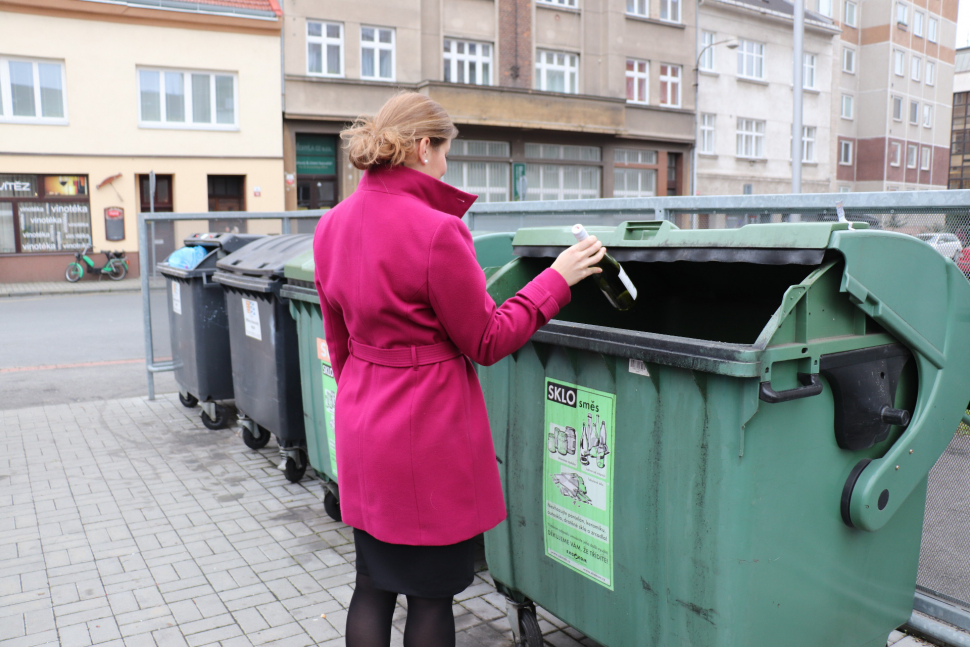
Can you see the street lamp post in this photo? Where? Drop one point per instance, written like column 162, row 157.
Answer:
column 732, row 44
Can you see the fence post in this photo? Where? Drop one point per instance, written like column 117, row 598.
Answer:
column 146, row 301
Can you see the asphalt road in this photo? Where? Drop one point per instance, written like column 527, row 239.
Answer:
column 74, row 348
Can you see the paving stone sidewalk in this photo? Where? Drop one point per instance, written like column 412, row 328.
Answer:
column 84, row 286
column 127, row 523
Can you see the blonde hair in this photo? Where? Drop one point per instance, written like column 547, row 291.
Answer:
column 391, row 135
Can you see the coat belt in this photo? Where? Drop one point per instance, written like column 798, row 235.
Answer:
column 413, row 356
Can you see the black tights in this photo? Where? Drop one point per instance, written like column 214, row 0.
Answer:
column 430, row 621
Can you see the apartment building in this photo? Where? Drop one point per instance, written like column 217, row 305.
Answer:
column 745, row 98
column 554, row 99
column 95, row 95
column 960, row 130
column 893, row 92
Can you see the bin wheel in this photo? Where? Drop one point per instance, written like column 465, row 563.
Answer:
column 188, row 402
column 219, row 422
column 292, row 472
column 332, row 505
column 255, row 442
column 529, row 628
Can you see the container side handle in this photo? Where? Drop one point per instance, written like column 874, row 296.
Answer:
column 811, row 385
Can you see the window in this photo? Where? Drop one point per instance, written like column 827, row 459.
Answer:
column 895, row 153
column 670, row 85
column 559, row 3
column 751, row 60
column 637, row 7
column 924, row 158
column 377, row 53
column 845, row 152
column 927, row 116
column 44, row 213
column 914, row 112
column 480, row 167
column 557, row 152
column 631, row 178
column 808, row 144
column 918, row 23
column 177, row 99
column 706, row 143
column 930, row 73
column 902, row 12
column 751, row 138
column 825, row 7
column 897, row 108
column 637, row 81
column 561, row 182
column 848, row 60
column 706, row 61
column 808, row 72
column 670, row 10
column 911, row 156
column 931, row 29
column 851, row 17
column 32, row 91
column 468, row 62
column 899, row 62
column 848, row 106
column 915, row 66
column 557, row 71
column 324, row 48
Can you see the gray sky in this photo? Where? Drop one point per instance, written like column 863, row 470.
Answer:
column 963, row 24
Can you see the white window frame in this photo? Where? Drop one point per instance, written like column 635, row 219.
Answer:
column 932, row 29
column 927, row 115
column 848, row 101
column 825, row 7
column 897, row 108
column 495, row 171
column 637, row 75
column 672, row 9
column 750, row 134
column 918, row 19
column 854, row 12
column 571, row 4
column 808, row 144
column 378, row 46
column 848, row 60
column 930, row 73
column 914, row 112
column 895, row 154
column 925, row 158
column 563, row 193
column 705, row 142
column 325, row 41
column 671, row 80
column 6, row 93
column 902, row 13
column 911, row 153
column 570, row 69
column 915, row 67
column 845, row 152
column 452, row 60
column 188, row 124
column 899, row 62
column 638, row 8
column 756, row 56
column 706, row 61
column 809, row 71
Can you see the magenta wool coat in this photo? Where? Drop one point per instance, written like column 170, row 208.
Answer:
column 405, row 313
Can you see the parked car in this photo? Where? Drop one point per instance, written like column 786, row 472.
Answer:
column 963, row 261
column 946, row 244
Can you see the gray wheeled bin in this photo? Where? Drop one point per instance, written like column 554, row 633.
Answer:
column 199, row 329
column 264, row 347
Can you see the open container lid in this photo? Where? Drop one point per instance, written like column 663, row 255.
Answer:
column 229, row 242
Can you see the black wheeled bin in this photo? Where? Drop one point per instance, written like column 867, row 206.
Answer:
column 199, row 328
column 264, row 348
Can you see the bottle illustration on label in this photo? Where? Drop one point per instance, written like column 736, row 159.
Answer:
column 572, row 485
column 595, row 442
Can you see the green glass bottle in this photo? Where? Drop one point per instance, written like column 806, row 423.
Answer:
column 612, row 281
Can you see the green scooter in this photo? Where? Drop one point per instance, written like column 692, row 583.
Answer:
column 116, row 268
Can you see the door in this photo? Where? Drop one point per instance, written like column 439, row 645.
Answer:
column 227, row 193
column 161, row 235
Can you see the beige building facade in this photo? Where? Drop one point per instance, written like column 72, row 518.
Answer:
column 113, row 92
column 555, row 99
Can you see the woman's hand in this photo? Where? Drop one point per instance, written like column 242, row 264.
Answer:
column 576, row 262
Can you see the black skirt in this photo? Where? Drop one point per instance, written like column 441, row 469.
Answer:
column 421, row 571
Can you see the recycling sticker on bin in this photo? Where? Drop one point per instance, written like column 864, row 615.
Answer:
column 577, row 479
column 329, row 401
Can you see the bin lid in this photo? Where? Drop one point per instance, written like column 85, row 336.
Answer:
column 660, row 240
column 266, row 257
column 300, row 267
column 227, row 241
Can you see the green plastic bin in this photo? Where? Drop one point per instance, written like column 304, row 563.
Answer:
column 492, row 250
column 741, row 459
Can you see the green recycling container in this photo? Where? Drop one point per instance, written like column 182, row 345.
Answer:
column 492, row 250
column 741, row 459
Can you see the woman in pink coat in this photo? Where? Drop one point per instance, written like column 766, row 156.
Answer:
column 406, row 313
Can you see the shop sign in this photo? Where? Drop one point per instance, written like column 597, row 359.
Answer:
column 315, row 166
column 57, row 185
column 316, row 155
column 114, row 223
column 18, row 186
column 54, row 226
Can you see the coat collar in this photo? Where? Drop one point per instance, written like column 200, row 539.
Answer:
column 401, row 180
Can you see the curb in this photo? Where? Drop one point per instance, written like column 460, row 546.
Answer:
column 12, row 290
